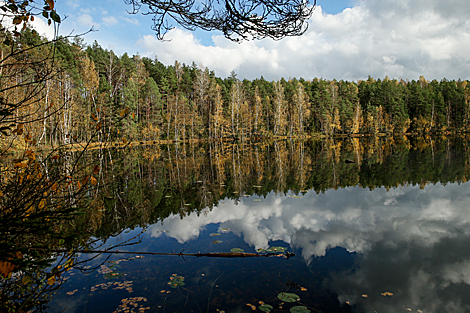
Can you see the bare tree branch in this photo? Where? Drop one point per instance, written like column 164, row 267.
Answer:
column 238, row 19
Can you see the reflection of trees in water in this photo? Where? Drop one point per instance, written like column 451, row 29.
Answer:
column 147, row 184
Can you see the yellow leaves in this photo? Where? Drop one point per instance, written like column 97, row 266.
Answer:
column 30, row 155
column 93, row 180
column 98, row 126
column 54, row 187
column 68, row 265
column 124, row 140
column 386, row 293
column 20, row 165
column 51, row 280
column 133, row 115
column 26, row 279
column 42, row 204
column 124, row 112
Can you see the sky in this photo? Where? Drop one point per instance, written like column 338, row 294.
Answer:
column 346, row 39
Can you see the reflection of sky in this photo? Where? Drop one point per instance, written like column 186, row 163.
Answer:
column 414, row 242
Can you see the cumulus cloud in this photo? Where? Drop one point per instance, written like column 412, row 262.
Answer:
column 403, row 39
column 86, row 20
column 109, row 20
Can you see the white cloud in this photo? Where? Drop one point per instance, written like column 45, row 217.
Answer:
column 40, row 25
column 381, row 38
column 109, row 20
column 86, row 20
column 131, row 20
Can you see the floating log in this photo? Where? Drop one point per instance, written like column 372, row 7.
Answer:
column 199, row 254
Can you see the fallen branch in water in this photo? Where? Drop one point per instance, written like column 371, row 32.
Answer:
column 199, row 254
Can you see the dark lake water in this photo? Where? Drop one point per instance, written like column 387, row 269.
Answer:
column 387, row 233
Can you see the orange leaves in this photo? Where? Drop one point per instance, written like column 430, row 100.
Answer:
column 85, row 180
column 7, row 267
column 55, row 157
column 19, row 129
column 93, row 180
column 50, row 3
column 20, row 165
column 96, row 170
column 30, row 155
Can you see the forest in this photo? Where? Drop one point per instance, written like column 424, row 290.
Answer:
column 59, row 97
column 98, row 96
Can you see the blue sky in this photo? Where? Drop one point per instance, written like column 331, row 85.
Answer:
column 345, row 40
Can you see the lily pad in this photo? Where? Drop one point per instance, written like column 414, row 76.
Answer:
column 276, row 249
column 217, row 241
column 176, row 281
column 236, row 250
column 214, row 234
column 265, row 307
column 299, row 309
column 288, row 297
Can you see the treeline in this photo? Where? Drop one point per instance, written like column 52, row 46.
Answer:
column 97, row 95
column 145, row 184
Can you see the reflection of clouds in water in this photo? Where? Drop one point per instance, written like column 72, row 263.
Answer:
column 353, row 218
column 413, row 242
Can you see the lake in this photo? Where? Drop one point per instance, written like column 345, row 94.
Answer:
column 376, row 224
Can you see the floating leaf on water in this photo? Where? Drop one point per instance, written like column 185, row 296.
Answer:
column 299, row 309
column 26, row 279
column 257, row 200
column 217, row 241
column 260, row 250
column 265, row 307
column 288, row 297
column 276, row 249
column 303, row 289
column 175, row 281
column 386, row 293
column 364, row 296
column 215, row 234
column 297, row 197
column 113, row 275
column 236, row 250
column 225, row 230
